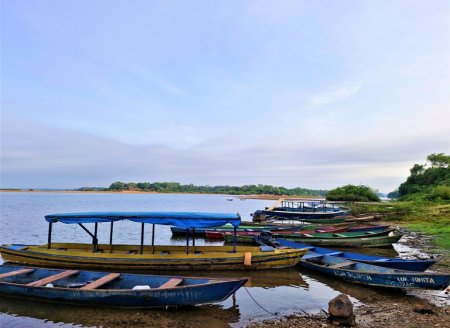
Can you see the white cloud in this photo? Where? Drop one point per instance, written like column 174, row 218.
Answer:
column 334, row 95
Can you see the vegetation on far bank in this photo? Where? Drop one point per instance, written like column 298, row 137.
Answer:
column 353, row 193
column 174, row 187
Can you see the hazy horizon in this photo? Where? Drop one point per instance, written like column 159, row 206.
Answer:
column 310, row 94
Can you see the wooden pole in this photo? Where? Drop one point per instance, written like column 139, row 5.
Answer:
column 142, row 238
column 235, row 239
column 153, row 238
column 187, row 241
column 193, row 240
column 49, row 235
column 110, row 236
column 95, row 240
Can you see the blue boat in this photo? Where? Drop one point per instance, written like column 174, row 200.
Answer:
column 112, row 289
column 373, row 275
column 388, row 262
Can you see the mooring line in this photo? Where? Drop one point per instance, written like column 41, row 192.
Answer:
column 275, row 314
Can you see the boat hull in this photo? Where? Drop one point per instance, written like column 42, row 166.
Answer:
column 128, row 257
column 373, row 275
column 206, row 291
column 387, row 262
column 382, row 241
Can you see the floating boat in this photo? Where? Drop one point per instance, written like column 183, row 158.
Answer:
column 388, row 262
column 332, row 235
column 380, row 241
column 148, row 257
column 112, row 289
column 304, row 210
column 373, row 275
column 177, row 231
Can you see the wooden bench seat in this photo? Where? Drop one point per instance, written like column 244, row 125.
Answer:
column 15, row 273
column 173, row 282
column 53, row 278
column 339, row 235
column 341, row 265
column 101, row 281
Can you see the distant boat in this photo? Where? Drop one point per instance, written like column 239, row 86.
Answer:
column 301, row 210
column 112, row 289
column 373, row 275
column 388, row 262
column 230, row 199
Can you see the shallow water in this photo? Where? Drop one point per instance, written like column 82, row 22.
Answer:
column 268, row 292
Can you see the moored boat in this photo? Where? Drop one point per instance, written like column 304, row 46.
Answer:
column 388, row 262
column 112, row 289
column 148, row 257
column 373, row 275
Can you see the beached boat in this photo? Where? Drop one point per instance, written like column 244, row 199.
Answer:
column 112, row 289
column 148, row 257
column 373, row 275
column 177, row 231
column 372, row 241
column 388, row 262
column 332, row 235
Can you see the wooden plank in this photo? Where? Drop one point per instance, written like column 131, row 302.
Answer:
column 248, row 258
column 55, row 277
column 340, row 265
column 339, row 235
column 271, row 208
column 173, row 282
column 101, row 281
column 15, row 273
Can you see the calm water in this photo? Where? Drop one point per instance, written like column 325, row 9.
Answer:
column 277, row 291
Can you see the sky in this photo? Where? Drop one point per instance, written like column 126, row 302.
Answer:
column 312, row 94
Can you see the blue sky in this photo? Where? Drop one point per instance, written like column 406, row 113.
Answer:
column 314, row 94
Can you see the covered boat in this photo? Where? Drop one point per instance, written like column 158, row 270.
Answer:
column 147, row 257
column 112, row 289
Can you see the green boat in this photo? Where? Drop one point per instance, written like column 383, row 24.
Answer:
column 361, row 241
column 332, row 235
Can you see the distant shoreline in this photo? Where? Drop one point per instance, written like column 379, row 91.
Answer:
column 243, row 197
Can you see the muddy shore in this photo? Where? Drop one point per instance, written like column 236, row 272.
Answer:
column 400, row 309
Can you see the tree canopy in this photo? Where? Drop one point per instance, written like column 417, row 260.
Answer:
column 168, row 187
column 431, row 179
column 353, row 193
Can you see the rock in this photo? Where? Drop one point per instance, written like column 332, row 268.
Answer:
column 340, row 309
column 423, row 309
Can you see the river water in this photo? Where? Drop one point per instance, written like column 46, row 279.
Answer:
column 270, row 292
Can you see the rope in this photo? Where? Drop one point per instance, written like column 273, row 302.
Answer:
column 275, row 314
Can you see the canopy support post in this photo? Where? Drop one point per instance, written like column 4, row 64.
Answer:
column 187, row 241
column 193, row 240
column 95, row 240
column 110, row 236
column 235, row 240
column 153, row 238
column 142, row 238
column 49, row 245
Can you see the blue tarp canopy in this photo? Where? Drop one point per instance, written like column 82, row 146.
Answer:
column 178, row 219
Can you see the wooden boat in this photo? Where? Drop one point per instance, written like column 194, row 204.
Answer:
column 176, row 231
column 112, row 289
column 368, row 227
column 380, row 241
column 148, row 257
column 372, row 275
column 388, row 262
column 332, row 235
column 377, row 241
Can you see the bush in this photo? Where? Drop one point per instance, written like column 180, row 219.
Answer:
column 353, row 194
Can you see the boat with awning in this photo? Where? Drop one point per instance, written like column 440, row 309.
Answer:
column 109, row 256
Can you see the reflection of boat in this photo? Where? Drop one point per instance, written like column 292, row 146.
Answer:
column 112, row 289
column 140, row 257
column 373, row 275
column 388, row 262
